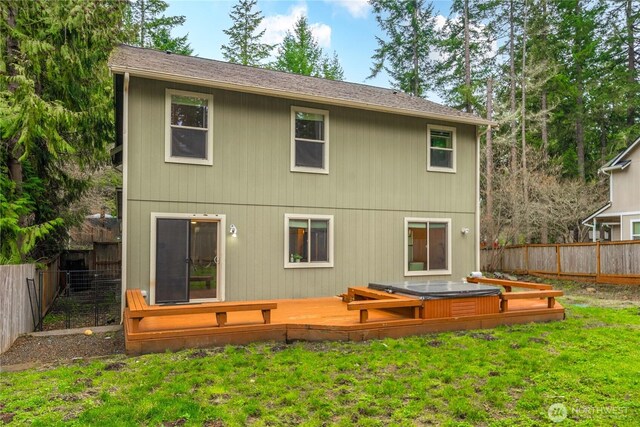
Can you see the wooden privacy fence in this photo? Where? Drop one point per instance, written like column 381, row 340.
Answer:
column 600, row 262
column 19, row 311
column 16, row 316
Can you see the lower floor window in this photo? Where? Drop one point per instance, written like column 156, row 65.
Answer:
column 427, row 246
column 308, row 241
column 635, row 230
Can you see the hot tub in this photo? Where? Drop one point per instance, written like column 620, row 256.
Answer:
column 437, row 289
column 446, row 300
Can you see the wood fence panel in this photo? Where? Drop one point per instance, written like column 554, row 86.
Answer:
column 581, row 259
column 543, row 259
column 513, row 258
column 603, row 262
column 490, row 259
column 620, row 259
column 15, row 310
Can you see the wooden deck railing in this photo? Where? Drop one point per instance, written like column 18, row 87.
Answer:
column 601, row 262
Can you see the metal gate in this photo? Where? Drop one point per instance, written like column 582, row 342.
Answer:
column 85, row 298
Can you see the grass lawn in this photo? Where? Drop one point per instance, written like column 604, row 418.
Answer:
column 589, row 363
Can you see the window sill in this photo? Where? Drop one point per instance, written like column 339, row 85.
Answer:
column 427, row 273
column 295, row 265
column 188, row 161
column 310, row 170
column 437, row 169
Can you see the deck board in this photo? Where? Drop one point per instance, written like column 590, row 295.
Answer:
column 315, row 319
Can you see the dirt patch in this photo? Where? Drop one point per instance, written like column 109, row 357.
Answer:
column 175, row 423
column 61, row 348
column 435, row 343
column 485, row 337
column 116, row 366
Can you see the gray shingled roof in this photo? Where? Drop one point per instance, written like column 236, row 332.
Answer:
column 207, row 72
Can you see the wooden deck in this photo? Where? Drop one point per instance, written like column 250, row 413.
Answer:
column 319, row 319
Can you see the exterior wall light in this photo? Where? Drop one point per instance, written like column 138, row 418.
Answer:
column 233, row 230
column 465, row 231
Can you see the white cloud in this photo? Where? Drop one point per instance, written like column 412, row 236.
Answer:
column 356, row 8
column 277, row 26
column 322, row 34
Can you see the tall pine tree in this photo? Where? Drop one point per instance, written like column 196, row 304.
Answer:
column 405, row 55
column 299, row 53
column 244, row 43
column 462, row 82
column 147, row 26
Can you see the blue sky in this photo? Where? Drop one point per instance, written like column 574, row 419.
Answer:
column 345, row 26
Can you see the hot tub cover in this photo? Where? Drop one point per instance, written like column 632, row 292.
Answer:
column 437, row 289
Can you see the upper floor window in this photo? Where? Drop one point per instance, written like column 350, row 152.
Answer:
column 441, row 148
column 188, row 134
column 309, row 140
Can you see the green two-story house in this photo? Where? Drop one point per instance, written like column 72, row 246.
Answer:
column 242, row 183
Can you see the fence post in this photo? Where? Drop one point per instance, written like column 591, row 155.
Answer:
column 598, row 270
column 526, row 258
column 558, row 260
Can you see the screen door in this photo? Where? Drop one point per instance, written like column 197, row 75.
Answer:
column 172, row 260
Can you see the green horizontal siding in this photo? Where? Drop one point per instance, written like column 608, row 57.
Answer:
column 377, row 176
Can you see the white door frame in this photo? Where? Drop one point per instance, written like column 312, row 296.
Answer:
column 222, row 243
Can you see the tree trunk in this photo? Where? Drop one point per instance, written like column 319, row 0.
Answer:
column 631, row 67
column 489, row 167
column 523, row 129
column 467, row 59
column 603, row 137
column 579, row 98
column 142, row 16
column 544, row 130
column 512, row 84
column 416, row 63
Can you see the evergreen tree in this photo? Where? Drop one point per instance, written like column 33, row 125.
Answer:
column 461, row 82
column 244, row 43
column 406, row 54
column 299, row 53
column 56, row 115
column 147, row 26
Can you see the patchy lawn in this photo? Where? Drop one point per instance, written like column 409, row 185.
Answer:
column 588, row 365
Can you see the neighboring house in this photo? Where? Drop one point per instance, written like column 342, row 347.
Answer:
column 243, row 183
column 619, row 218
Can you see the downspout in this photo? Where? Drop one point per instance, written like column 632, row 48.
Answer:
column 477, row 234
column 125, row 178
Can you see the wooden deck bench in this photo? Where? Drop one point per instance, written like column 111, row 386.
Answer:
column 138, row 309
column 366, row 305
column 549, row 294
column 363, row 293
column 206, row 279
column 508, row 284
column 365, row 299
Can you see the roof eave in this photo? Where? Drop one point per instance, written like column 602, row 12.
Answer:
column 596, row 213
column 621, row 155
column 158, row 75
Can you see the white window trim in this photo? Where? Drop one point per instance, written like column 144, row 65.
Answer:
column 407, row 220
column 306, row 169
column 287, row 263
column 221, row 253
column 632, row 222
column 168, row 158
column 453, row 145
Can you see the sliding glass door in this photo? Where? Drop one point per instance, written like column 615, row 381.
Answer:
column 187, row 260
